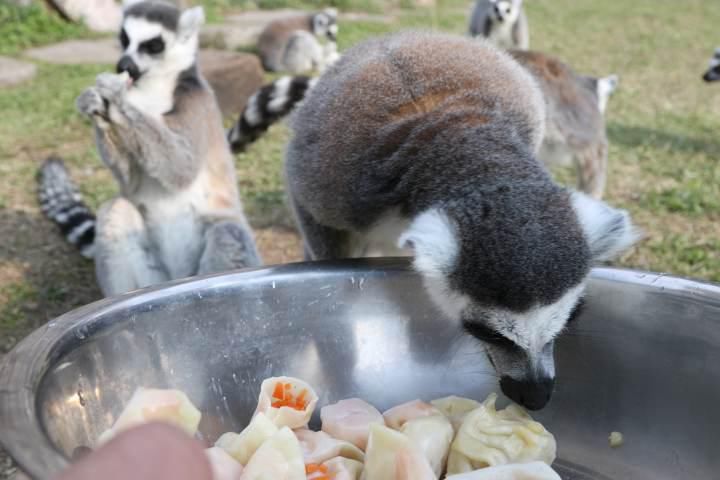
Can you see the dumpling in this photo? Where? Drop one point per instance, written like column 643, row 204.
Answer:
column 317, row 447
column 156, row 405
column 241, row 446
column 350, row 420
column 287, row 401
column 397, row 416
column 518, row 471
column 223, row 466
column 391, row 456
column 432, row 437
column 279, row 458
column 455, row 408
column 488, row 437
column 340, row 468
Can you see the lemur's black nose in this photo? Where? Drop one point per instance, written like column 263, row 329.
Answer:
column 531, row 394
column 126, row 64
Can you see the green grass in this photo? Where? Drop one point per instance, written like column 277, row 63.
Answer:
column 663, row 125
column 24, row 27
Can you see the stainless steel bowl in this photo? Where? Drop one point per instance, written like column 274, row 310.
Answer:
column 644, row 359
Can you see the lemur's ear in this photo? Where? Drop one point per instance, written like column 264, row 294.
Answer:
column 433, row 239
column 190, row 22
column 609, row 231
column 129, row 3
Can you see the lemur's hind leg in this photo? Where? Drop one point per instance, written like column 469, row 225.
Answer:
column 229, row 245
column 591, row 164
column 123, row 258
column 321, row 242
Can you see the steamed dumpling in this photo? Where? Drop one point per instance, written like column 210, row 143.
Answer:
column 518, row 471
column 432, row 437
column 241, row 446
column 223, row 466
column 287, row 402
column 156, row 405
column 340, row 468
column 398, row 415
column 279, row 458
column 392, row 456
column 488, row 437
column 455, row 408
column 350, row 420
column 318, row 447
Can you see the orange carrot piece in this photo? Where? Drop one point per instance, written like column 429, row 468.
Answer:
column 279, row 393
column 312, row 468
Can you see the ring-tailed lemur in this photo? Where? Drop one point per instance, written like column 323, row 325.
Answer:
column 713, row 72
column 294, row 44
column 575, row 126
column 159, row 130
column 427, row 145
column 503, row 22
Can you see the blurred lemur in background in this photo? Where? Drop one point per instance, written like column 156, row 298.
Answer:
column 159, row 130
column 503, row 22
column 295, row 44
column 712, row 74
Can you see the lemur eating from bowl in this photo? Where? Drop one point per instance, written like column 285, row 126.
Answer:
column 159, row 130
column 427, row 145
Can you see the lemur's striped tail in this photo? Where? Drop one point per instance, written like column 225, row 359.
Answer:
column 61, row 202
column 266, row 106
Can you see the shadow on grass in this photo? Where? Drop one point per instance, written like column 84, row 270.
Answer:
column 42, row 276
column 635, row 136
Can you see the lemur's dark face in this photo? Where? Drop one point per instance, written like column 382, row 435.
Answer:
column 505, row 10
column 157, row 40
column 325, row 25
column 713, row 72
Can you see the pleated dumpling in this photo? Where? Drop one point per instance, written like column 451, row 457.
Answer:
column 432, row 437
column 518, row 471
column 455, row 408
column 318, row 447
column 241, row 446
column 279, row 458
column 350, row 420
column 287, row 402
column 488, row 437
column 391, row 455
column 223, row 466
column 156, row 405
column 398, row 415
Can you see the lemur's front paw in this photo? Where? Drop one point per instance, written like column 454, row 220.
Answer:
column 91, row 103
column 112, row 86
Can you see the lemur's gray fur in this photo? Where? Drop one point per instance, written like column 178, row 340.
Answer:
column 575, row 130
column 503, row 22
column 427, row 145
column 159, row 130
column 295, row 44
column 712, row 74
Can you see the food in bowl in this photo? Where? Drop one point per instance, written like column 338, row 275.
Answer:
column 452, row 438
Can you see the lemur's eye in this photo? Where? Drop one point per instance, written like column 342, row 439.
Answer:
column 153, row 46
column 488, row 335
column 124, row 40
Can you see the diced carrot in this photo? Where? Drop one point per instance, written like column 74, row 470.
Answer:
column 312, row 468
column 279, row 393
column 287, row 386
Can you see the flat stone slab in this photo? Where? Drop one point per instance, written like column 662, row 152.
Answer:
column 13, row 72
column 241, row 29
column 75, row 52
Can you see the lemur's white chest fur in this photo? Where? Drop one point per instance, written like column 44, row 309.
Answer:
column 381, row 239
column 153, row 97
column 501, row 33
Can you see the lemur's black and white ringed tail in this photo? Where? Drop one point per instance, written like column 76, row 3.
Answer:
column 62, row 203
column 266, row 106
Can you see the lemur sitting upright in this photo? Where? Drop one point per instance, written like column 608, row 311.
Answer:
column 503, row 22
column 713, row 72
column 294, row 44
column 427, row 145
column 159, row 130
